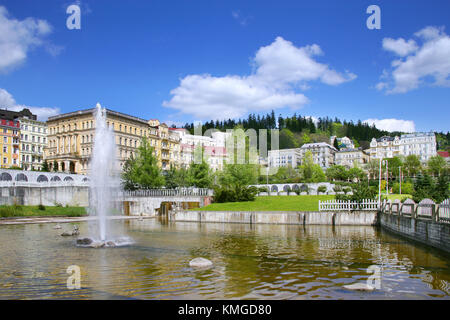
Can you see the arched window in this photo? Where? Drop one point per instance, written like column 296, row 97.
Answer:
column 5, row 177
column 21, row 177
column 42, row 178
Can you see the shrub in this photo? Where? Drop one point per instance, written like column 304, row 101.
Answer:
column 407, row 188
column 57, row 204
column 322, row 189
column 346, row 190
column 337, row 188
column 41, row 207
column 263, row 189
column 222, row 194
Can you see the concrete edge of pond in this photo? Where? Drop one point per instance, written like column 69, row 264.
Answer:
column 30, row 220
column 356, row 218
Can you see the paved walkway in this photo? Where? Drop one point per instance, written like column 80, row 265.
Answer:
column 28, row 220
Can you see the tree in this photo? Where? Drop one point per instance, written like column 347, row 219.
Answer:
column 412, row 165
column 335, row 143
column 374, row 168
column 45, row 167
column 393, row 166
column 175, row 178
column 199, row 175
column 356, row 173
column 287, row 139
column 337, row 172
column 311, row 172
column 234, row 183
column 306, row 139
column 142, row 171
column 436, row 165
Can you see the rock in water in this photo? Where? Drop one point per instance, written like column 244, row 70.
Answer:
column 84, row 241
column 359, row 287
column 110, row 244
column 66, row 234
column 200, row 263
column 57, row 227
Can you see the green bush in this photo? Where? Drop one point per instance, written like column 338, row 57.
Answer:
column 41, row 207
column 346, row 190
column 407, row 188
column 57, row 204
column 263, row 189
column 222, row 194
column 322, row 189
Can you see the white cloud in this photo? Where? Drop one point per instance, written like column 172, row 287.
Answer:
column 237, row 15
column 399, row 46
column 393, row 124
column 279, row 70
column 7, row 102
column 426, row 64
column 17, row 37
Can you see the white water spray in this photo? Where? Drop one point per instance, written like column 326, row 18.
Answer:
column 103, row 178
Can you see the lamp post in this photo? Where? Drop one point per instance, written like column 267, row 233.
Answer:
column 385, row 162
column 379, row 184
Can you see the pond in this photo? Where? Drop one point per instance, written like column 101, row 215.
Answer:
column 250, row 262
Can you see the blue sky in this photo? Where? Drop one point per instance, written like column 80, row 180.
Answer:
column 181, row 61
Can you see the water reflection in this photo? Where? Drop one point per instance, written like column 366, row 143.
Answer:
column 250, row 261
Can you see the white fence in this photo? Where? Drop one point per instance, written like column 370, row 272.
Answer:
column 339, row 205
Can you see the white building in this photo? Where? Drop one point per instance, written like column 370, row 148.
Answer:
column 323, row 153
column 213, row 147
column 420, row 144
column 284, row 158
column 348, row 157
column 344, row 142
column 384, row 147
column 33, row 138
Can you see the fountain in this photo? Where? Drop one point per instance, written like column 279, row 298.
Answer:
column 104, row 185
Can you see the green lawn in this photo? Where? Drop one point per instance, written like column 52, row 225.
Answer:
column 271, row 203
column 34, row 211
column 398, row 196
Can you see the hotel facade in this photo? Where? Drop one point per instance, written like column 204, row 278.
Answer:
column 71, row 140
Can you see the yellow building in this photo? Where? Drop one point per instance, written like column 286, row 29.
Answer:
column 9, row 143
column 71, row 137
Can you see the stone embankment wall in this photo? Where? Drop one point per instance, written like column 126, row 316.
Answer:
column 425, row 231
column 71, row 195
column 359, row 218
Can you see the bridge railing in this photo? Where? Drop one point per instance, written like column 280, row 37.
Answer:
column 425, row 209
column 168, row 192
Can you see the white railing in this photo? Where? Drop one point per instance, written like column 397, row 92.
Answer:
column 444, row 211
column 340, row 205
column 168, row 192
column 425, row 209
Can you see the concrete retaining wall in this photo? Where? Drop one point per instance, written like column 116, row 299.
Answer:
column 46, row 195
column 363, row 218
column 425, row 231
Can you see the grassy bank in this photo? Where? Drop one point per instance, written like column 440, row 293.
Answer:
column 35, row 211
column 272, row 203
column 399, row 196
